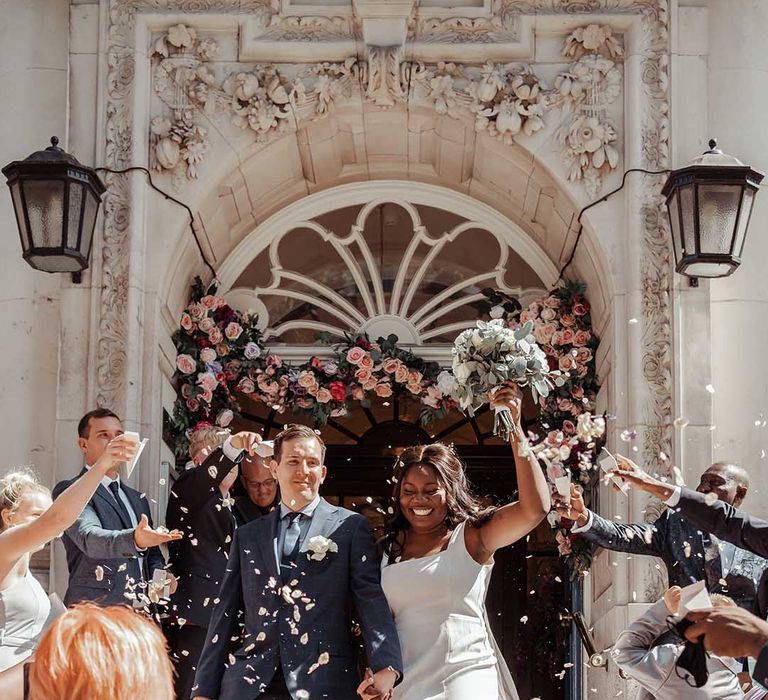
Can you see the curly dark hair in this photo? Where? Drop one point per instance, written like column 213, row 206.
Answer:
column 463, row 504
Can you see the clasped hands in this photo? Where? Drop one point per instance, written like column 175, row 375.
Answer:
column 377, row 686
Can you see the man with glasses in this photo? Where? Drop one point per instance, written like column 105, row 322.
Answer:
column 258, row 493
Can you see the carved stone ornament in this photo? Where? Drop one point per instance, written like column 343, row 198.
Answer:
column 190, row 89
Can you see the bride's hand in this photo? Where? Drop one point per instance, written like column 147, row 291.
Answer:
column 368, row 690
column 508, row 395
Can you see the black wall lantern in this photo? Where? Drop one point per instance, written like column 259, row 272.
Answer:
column 710, row 204
column 56, row 200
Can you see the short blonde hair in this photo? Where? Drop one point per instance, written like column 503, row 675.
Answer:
column 208, row 437
column 14, row 486
column 92, row 652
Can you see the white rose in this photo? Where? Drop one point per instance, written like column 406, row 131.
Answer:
column 320, row 546
column 446, row 382
column 497, row 311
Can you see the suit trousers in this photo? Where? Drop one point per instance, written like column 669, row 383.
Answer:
column 186, row 644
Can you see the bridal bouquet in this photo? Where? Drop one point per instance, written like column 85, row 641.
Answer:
column 491, row 354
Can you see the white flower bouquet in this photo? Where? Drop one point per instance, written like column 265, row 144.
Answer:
column 492, row 354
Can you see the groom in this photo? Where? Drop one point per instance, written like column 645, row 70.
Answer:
column 295, row 574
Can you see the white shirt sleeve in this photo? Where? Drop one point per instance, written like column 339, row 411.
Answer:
column 674, row 499
column 231, row 453
column 576, row 530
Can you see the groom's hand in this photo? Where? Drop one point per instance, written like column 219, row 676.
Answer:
column 145, row 537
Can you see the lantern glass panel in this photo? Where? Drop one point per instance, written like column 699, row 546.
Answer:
column 73, row 215
column 673, row 207
column 741, row 227
column 45, row 207
column 89, row 221
column 709, row 269
column 718, row 208
column 688, row 209
column 19, row 208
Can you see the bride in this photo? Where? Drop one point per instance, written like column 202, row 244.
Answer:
column 438, row 557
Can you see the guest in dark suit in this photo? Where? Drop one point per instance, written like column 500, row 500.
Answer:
column 255, row 492
column 112, row 549
column 689, row 553
column 199, row 506
column 720, row 516
column 295, row 574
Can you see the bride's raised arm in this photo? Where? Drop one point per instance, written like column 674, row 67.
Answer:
column 514, row 520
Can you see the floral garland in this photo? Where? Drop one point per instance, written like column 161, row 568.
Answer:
column 570, row 436
column 222, row 359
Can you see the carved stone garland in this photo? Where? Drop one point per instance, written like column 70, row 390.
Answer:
column 656, row 272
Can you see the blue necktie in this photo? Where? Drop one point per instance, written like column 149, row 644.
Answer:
column 124, row 516
column 290, row 544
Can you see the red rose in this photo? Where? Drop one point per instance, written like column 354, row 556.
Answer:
column 338, row 391
column 364, row 344
column 580, row 308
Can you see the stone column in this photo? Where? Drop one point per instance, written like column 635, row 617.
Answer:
column 738, row 105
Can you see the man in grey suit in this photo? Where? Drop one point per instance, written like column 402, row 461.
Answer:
column 112, row 549
column 295, row 575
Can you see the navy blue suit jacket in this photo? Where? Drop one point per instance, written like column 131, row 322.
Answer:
column 304, row 623
column 100, row 538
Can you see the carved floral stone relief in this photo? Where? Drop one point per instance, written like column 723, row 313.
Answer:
column 507, row 101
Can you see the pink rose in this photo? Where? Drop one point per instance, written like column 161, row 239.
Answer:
column 222, row 349
column 196, row 311
column 564, row 337
column 384, row 390
column 534, row 309
column 552, row 302
column 401, row 374
column 363, row 375
column 370, row 385
column 193, row 405
column 568, row 427
column 414, row 377
column 185, row 391
column 390, row 365
column 548, row 314
column 207, row 325
column 211, row 302
column 207, row 380
column 246, row 386
column 207, row 396
column 581, row 371
column 563, row 543
column 577, row 392
column 186, row 322
column 568, row 320
column 233, row 330
column 366, row 362
column 323, row 395
column 544, row 333
column 525, row 317
column 581, row 338
column 186, row 364
column 433, row 397
column 564, row 405
column 566, row 363
column 316, row 363
column 274, row 361
column 583, row 355
column 580, row 308
column 306, row 379
column 312, row 390
column 208, row 355
column 358, row 394
column 414, row 388
column 355, row 355
column 215, row 336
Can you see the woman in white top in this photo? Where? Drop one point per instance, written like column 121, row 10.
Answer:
column 28, row 520
column 438, row 558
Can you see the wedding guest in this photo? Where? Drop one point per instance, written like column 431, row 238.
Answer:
column 29, row 520
column 256, row 493
column 295, row 574
column 112, row 548
column 733, row 632
column 199, row 507
column 688, row 551
column 438, row 559
column 101, row 652
column 655, row 666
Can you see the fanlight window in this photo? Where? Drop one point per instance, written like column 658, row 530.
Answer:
column 385, row 267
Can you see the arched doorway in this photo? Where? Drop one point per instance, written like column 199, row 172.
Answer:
column 409, row 260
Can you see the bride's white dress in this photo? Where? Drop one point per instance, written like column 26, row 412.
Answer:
column 449, row 652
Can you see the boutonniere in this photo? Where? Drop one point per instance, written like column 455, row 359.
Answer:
column 319, row 546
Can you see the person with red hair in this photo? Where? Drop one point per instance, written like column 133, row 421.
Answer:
column 95, row 652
